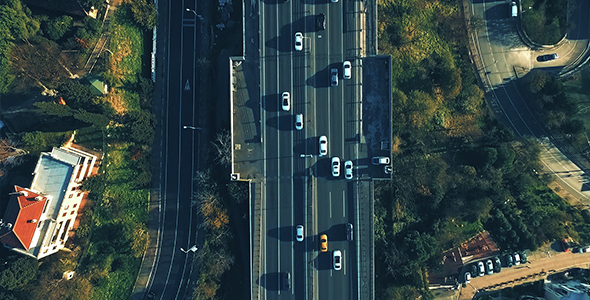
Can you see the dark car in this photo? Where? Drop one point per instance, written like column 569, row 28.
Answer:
column 287, row 281
column 349, row 232
column 473, row 271
column 565, row 245
column 547, row 57
column 320, row 21
column 497, row 264
column 523, row 258
column 508, row 260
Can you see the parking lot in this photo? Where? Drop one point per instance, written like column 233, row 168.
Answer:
column 541, row 264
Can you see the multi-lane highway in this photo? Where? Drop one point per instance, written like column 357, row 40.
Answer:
column 299, row 187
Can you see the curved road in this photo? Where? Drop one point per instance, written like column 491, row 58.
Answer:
column 505, row 58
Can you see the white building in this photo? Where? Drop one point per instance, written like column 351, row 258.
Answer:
column 38, row 219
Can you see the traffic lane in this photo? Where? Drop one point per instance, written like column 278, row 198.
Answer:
column 530, row 125
column 557, row 262
column 508, row 108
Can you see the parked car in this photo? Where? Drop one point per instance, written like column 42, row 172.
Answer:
column 473, row 270
column 348, row 169
column 299, row 233
column 489, row 267
column 481, row 269
column 299, row 122
column 337, row 260
column 547, row 57
column 346, row 70
column 508, row 260
column 323, row 145
column 380, row 160
column 349, row 232
column 523, row 258
column 513, row 9
column 335, row 166
column 565, row 245
column 298, row 41
column 320, row 21
column 334, row 77
column 467, row 277
column 285, row 102
column 516, row 257
column 497, row 265
column 324, row 243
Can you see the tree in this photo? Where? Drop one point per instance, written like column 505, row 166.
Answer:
column 78, row 95
column 222, row 144
column 15, row 23
column 18, row 273
column 56, row 28
column 140, row 125
column 54, row 109
column 537, row 80
column 144, row 13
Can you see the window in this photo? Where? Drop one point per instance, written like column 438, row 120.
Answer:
column 79, row 194
column 67, row 206
column 74, row 188
column 71, row 195
column 75, row 205
column 64, row 214
column 73, row 211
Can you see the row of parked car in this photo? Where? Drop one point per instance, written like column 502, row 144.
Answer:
column 489, row 266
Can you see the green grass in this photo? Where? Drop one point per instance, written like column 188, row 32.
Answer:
column 127, row 47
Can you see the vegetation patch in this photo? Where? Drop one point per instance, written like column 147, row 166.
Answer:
column 456, row 171
column 544, row 21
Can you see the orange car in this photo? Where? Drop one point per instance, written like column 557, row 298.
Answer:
column 324, row 243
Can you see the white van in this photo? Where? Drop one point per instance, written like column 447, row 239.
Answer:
column 513, row 9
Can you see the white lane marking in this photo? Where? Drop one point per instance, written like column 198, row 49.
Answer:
column 330, row 203
column 344, row 203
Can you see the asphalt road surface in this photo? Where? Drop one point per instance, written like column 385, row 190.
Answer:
column 180, row 149
column 299, row 187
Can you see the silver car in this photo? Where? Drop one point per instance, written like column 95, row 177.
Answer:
column 334, row 77
column 299, row 122
column 335, row 166
column 348, row 169
column 299, row 233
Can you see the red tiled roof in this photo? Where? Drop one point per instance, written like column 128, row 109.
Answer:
column 23, row 212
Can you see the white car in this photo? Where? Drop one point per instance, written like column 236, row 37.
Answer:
column 380, row 160
column 335, row 166
column 348, row 169
column 334, row 1
column 299, row 233
column 298, row 41
column 334, row 77
column 346, row 70
column 323, row 145
column 286, row 101
column 337, row 260
column 299, row 122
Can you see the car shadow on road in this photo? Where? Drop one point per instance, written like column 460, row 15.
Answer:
column 283, row 234
column 270, row 281
column 271, row 102
column 321, row 79
column 285, row 42
column 305, row 24
column 282, row 123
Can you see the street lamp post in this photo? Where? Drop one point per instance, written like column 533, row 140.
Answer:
column 191, row 127
column 191, row 249
column 198, row 16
